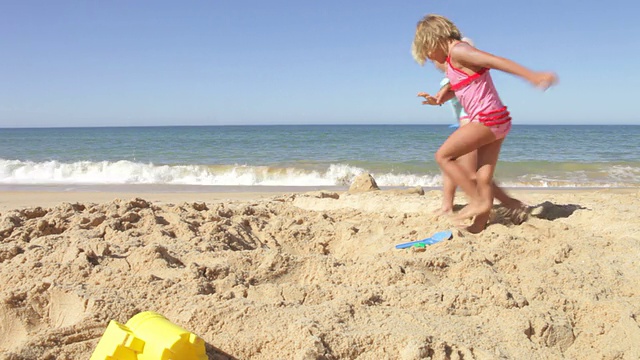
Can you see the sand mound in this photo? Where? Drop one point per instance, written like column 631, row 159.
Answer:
column 316, row 276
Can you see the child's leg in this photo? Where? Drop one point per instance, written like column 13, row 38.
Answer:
column 505, row 199
column 463, row 141
column 487, row 159
column 448, row 192
column 480, row 221
column 469, row 162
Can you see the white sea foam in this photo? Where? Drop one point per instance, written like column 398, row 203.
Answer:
column 127, row 172
column 624, row 173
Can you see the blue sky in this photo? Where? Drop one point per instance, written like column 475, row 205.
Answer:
column 224, row 62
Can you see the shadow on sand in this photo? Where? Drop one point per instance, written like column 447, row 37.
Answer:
column 213, row 353
column 546, row 210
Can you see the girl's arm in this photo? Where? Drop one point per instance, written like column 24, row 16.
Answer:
column 428, row 99
column 445, row 94
column 475, row 59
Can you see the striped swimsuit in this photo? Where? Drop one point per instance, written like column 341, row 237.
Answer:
column 480, row 99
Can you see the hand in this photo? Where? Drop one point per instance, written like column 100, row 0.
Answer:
column 544, row 80
column 429, row 100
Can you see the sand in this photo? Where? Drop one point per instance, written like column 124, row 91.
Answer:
column 315, row 275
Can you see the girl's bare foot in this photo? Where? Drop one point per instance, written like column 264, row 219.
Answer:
column 472, row 210
column 476, row 228
column 478, row 225
column 444, row 210
column 517, row 211
column 514, row 204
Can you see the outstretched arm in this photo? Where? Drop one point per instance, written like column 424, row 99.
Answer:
column 475, row 59
column 445, row 94
column 428, row 99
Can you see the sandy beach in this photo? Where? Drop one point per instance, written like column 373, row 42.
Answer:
column 315, row 275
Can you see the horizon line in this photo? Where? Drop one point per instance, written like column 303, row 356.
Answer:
column 248, row 125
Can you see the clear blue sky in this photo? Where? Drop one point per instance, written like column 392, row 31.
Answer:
column 219, row 62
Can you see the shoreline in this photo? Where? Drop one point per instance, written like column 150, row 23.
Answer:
column 27, row 196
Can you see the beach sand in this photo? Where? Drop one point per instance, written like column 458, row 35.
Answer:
column 315, row 275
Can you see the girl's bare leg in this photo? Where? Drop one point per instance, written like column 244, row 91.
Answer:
column 487, row 159
column 480, row 221
column 448, row 193
column 463, row 141
column 469, row 163
column 505, row 199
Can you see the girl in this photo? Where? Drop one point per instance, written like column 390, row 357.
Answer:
column 439, row 40
column 468, row 161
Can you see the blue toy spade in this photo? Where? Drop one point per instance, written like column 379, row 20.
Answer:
column 435, row 238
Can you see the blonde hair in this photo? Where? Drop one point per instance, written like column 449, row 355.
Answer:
column 432, row 33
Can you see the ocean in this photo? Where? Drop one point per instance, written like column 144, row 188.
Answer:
column 539, row 156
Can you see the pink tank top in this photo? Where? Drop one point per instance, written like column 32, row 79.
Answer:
column 478, row 95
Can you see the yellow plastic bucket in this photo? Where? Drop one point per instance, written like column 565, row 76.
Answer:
column 148, row 336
